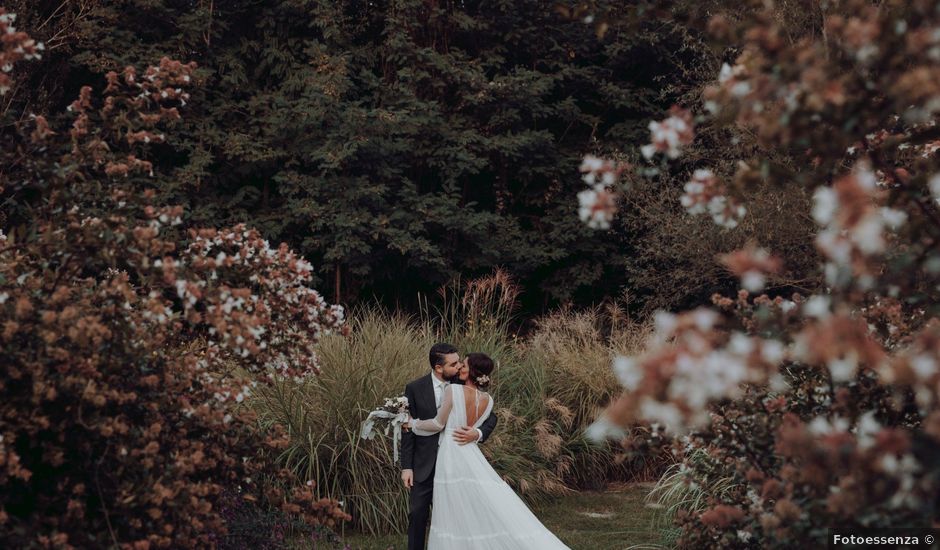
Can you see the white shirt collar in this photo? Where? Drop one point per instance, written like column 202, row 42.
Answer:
column 438, row 382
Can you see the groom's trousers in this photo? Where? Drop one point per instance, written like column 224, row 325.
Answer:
column 419, row 512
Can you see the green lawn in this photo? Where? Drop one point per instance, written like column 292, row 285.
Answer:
column 614, row 519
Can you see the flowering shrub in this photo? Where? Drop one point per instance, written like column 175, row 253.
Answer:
column 822, row 407
column 129, row 341
column 705, row 194
column 597, row 204
column 17, row 45
column 670, row 135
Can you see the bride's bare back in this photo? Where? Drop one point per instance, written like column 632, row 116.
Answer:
column 475, row 403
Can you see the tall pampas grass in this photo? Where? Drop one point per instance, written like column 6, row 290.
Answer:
column 574, row 351
column 547, row 389
column 324, row 414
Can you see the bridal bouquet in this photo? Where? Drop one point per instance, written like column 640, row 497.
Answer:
column 393, row 414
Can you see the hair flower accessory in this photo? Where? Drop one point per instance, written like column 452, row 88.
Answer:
column 482, row 379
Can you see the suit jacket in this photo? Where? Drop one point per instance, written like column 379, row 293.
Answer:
column 419, row 453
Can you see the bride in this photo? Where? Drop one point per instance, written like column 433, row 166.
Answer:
column 473, row 508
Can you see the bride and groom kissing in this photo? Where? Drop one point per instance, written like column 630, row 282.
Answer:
column 450, row 415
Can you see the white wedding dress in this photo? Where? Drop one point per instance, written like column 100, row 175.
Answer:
column 473, row 508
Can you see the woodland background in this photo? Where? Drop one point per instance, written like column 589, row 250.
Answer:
column 397, row 145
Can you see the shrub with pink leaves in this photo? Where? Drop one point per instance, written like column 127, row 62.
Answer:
column 821, row 407
column 129, row 341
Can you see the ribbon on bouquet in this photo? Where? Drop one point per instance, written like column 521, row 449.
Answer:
column 397, row 419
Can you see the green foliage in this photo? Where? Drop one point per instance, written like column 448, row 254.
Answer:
column 395, row 144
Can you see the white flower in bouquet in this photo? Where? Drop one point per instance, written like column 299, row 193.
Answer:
column 395, row 404
column 393, row 414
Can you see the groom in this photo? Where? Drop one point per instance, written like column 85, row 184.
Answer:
column 419, row 453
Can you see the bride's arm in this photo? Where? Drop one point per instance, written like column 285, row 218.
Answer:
column 436, row 424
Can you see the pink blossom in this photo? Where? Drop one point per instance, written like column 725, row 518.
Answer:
column 854, row 226
column 16, row 46
column 597, row 207
column 671, row 134
column 705, row 194
column 598, row 204
column 752, row 265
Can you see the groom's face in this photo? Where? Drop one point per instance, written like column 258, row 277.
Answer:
column 450, row 367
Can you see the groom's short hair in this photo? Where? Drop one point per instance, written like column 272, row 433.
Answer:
column 438, row 351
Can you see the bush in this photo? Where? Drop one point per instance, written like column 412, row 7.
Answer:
column 815, row 411
column 128, row 346
column 673, row 261
column 686, row 488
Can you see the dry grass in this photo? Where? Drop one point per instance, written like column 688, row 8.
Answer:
column 547, row 389
column 574, row 350
column 383, row 353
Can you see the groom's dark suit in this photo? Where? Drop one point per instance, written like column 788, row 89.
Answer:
column 419, row 454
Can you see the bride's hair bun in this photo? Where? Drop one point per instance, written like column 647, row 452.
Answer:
column 481, row 367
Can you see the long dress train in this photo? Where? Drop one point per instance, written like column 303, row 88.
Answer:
column 473, row 508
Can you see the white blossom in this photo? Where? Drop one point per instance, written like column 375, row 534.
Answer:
column 866, row 430
column 817, row 306
column 924, row 366
column 666, row 413
column 753, row 280
column 629, row 374
column 825, row 204
column 934, row 185
column 843, row 369
column 823, row 426
column 602, row 429
column 596, row 207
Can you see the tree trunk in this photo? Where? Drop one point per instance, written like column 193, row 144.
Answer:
column 338, row 293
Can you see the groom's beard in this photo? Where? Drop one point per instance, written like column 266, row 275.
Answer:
column 455, row 379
